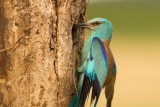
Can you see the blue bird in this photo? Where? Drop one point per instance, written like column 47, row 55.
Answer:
column 98, row 68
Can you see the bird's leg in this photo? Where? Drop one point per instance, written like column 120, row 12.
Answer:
column 74, row 68
column 74, row 81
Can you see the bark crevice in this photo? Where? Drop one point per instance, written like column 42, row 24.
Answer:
column 3, row 25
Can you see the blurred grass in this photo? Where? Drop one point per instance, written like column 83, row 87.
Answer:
column 136, row 48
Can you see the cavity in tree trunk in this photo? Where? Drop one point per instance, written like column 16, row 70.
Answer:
column 38, row 51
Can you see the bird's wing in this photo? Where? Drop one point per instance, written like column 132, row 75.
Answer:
column 95, row 72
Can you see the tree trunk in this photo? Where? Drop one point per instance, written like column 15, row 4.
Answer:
column 39, row 52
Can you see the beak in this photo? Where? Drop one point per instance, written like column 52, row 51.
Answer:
column 84, row 25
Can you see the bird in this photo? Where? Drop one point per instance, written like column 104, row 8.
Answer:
column 97, row 66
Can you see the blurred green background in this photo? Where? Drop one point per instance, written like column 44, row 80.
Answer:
column 136, row 48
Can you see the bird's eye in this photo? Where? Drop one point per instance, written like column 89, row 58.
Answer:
column 97, row 23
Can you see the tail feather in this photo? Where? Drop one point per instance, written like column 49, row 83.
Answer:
column 96, row 91
column 74, row 102
column 80, row 98
column 85, row 91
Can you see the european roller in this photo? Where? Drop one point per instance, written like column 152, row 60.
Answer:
column 98, row 68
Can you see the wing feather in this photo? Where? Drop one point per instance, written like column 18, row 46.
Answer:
column 95, row 72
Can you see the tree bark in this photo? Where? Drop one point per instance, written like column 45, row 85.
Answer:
column 41, row 51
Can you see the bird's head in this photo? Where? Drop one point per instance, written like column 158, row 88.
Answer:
column 100, row 27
